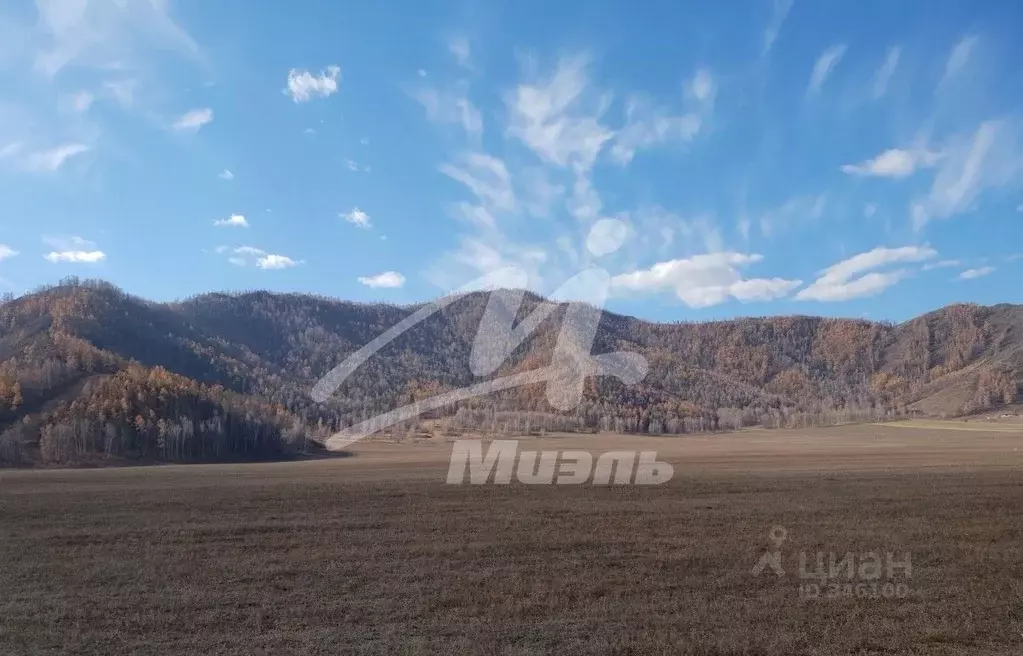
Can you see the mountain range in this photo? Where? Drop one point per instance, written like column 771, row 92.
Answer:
column 92, row 375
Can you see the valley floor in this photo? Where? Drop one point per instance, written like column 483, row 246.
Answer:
column 375, row 554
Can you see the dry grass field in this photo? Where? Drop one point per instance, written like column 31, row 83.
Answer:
column 375, row 554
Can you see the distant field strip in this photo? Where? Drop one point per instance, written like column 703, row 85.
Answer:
column 976, row 426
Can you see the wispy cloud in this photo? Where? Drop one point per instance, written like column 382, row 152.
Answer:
column 794, row 211
column 194, row 119
column 357, row 218
column 303, row 86
column 823, row 67
column 885, row 73
column 53, row 159
column 226, row 175
column 958, row 58
column 105, row 35
column 6, row 252
column 779, row 12
column 943, row 264
column 894, row 163
column 121, row 91
column 487, row 178
column 387, row 280
column 647, row 125
column 980, row 272
column 453, row 107
column 548, row 115
column 856, row 277
column 989, row 159
column 461, row 50
column 82, row 101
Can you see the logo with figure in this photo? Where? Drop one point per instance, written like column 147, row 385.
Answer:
column 873, row 574
column 497, row 337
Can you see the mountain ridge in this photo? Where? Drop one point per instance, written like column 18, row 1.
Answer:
column 88, row 372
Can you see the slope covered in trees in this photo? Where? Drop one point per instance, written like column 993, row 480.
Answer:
column 89, row 373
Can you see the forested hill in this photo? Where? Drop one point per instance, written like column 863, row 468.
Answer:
column 91, row 374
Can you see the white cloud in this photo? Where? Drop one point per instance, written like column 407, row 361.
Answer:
column 547, row 116
column 250, row 255
column 893, row 163
column 6, row 252
column 84, row 257
column 705, row 280
column 823, row 67
column 387, row 279
column 421, row 72
column 70, row 248
column 451, row 107
column 971, row 274
column 780, row 11
column 234, row 221
column 989, row 159
column 226, row 175
column 763, row 289
column 358, row 218
column 304, row 86
column 843, row 281
column 885, row 73
column 943, row 264
column 194, row 119
column 52, row 160
column 460, row 49
column 273, row 261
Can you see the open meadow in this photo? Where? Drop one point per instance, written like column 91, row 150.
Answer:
column 374, row 553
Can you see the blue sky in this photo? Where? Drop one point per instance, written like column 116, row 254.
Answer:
column 716, row 159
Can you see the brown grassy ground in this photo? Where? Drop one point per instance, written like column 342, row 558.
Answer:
column 374, row 554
